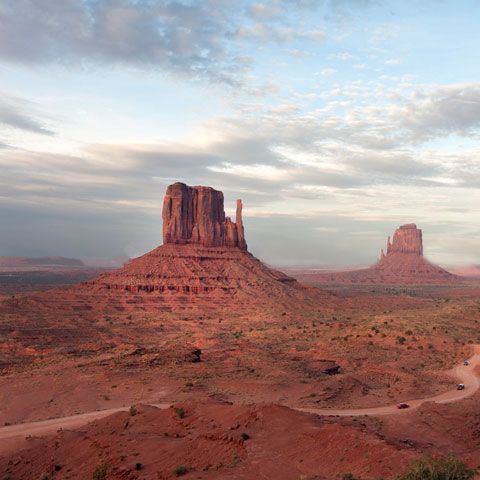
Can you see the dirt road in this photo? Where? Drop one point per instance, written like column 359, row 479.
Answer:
column 13, row 435
column 465, row 374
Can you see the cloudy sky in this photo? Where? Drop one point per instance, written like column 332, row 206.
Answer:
column 334, row 120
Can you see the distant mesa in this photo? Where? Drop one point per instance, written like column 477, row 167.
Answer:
column 203, row 263
column 472, row 271
column 403, row 264
column 40, row 261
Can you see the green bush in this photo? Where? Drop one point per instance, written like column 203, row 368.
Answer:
column 448, row 468
column 179, row 471
column 180, row 412
column 100, row 473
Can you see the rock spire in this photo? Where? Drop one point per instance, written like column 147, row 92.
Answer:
column 195, row 215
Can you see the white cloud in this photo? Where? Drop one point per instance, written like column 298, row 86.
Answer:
column 326, row 72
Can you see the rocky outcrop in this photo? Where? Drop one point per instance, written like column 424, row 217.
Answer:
column 203, row 264
column 406, row 239
column 195, row 215
column 403, row 264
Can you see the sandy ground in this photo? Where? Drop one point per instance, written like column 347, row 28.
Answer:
column 13, row 435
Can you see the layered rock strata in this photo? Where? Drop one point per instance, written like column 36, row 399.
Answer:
column 203, row 264
column 406, row 239
column 195, row 215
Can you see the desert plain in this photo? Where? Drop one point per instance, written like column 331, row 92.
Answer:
column 198, row 360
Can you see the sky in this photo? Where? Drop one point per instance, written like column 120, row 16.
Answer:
column 335, row 121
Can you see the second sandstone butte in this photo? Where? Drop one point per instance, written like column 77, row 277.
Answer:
column 403, row 264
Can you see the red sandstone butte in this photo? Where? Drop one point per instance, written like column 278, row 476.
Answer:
column 404, row 264
column 195, row 215
column 203, row 264
column 406, row 239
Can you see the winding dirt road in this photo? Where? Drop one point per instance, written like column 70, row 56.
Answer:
column 465, row 374
column 15, row 434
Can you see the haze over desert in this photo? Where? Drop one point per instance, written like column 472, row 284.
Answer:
column 239, row 240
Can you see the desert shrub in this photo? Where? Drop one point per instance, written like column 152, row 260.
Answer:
column 245, row 436
column 132, row 411
column 180, row 412
column 408, row 332
column 179, row 471
column 429, row 468
column 138, row 466
column 189, row 384
column 401, row 340
column 100, row 473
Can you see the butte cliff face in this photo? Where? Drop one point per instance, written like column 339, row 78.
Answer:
column 202, row 264
column 403, row 264
column 195, row 215
column 406, row 239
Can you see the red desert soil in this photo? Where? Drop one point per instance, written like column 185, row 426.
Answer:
column 215, row 440
column 210, row 441
column 466, row 374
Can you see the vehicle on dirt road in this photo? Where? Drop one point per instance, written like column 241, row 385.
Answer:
column 403, row 405
column 465, row 362
column 460, row 386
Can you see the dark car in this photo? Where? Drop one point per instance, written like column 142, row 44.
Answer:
column 460, row 386
column 403, row 405
column 465, row 362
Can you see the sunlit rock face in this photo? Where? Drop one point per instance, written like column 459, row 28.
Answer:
column 406, row 239
column 195, row 215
